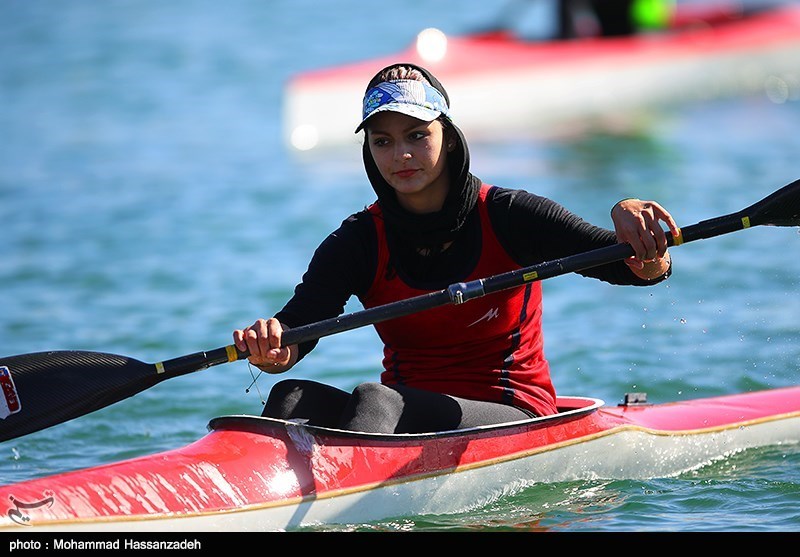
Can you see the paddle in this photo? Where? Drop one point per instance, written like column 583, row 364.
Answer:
column 47, row 388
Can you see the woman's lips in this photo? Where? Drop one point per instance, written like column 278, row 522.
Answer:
column 405, row 173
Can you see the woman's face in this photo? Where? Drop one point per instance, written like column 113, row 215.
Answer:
column 412, row 158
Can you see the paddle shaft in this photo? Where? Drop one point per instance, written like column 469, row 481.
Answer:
column 43, row 389
column 459, row 293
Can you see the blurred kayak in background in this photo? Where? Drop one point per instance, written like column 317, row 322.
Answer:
column 503, row 84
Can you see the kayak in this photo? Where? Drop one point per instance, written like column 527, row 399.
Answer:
column 250, row 473
column 501, row 85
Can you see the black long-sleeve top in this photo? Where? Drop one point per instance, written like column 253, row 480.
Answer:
column 532, row 229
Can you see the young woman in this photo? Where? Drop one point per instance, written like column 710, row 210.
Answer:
column 434, row 224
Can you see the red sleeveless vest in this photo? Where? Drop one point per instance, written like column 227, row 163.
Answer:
column 488, row 348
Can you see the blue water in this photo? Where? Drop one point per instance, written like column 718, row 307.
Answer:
column 148, row 208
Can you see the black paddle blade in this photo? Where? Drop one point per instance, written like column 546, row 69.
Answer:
column 781, row 208
column 44, row 389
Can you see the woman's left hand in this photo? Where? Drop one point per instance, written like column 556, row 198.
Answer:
column 638, row 223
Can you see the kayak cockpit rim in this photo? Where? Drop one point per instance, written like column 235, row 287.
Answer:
column 569, row 408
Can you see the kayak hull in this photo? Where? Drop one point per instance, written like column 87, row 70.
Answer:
column 258, row 474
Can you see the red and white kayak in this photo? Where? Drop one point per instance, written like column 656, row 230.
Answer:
column 257, row 474
column 501, row 85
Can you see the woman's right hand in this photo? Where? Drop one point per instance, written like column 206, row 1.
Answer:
column 263, row 340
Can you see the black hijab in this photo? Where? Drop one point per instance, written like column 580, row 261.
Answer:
column 429, row 230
